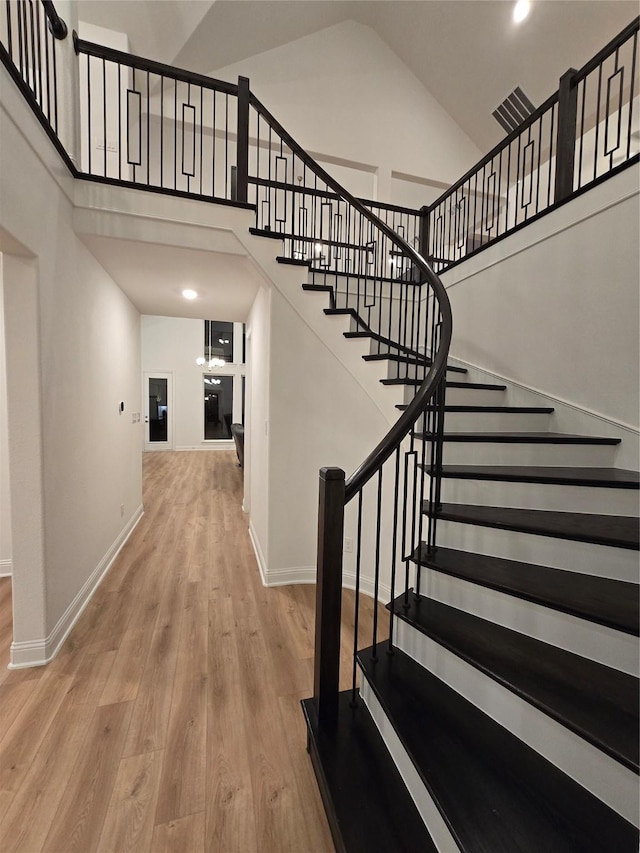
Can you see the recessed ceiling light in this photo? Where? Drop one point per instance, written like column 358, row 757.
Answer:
column 521, row 10
column 189, row 294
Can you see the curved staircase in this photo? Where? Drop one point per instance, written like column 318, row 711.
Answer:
column 508, row 698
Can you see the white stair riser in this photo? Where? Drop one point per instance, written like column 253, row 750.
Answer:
column 612, row 648
column 507, row 453
column 464, row 396
column 547, row 496
column 616, row 563
column 606, row 778
column 427, row 809
column 495, row 422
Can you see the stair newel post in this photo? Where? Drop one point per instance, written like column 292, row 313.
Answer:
column 242, row 144
column 566, row 135
column 329, row 593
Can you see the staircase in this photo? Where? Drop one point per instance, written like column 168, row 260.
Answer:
column 503, row 714
column 499, row 713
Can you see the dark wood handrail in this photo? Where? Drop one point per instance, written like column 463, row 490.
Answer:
column 56, row 24
column 140, row 63
column 615, row 42
column 401, row 428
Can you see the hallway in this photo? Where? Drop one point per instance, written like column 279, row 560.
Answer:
column 170, row 720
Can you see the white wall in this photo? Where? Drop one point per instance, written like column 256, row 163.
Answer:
column 257, row 433
column 342, row 92
column 73, row 354
column 172, row 345
column 319, row 416
column 555, row 306
column 5, row 508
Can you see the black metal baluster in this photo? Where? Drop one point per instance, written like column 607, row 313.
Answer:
column 631, row 91
column 201, row 135
column 148, row 131
column 356, row 612
column 46, row 62
column 598, row 100
column 89, row 111
column 376, row 576
column 39, row 44
column 104, row 115
column 551, row 138
column 120, row 121
column 175, row 136
column 19, row 15
column 394, row 549
column 213, row 152
column 226, row 146
column 9, row 31
column 32, row 30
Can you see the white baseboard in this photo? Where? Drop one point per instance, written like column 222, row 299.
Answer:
column 285, row 577
column 39, row 652
column 257, row 550
column 6, row 568
column 218, row 444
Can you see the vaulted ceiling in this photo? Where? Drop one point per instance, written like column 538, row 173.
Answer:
column 468, row 53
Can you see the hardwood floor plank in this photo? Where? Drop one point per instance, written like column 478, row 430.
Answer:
column 169, row 721
column 91, row 676
column 33, row 809
column 129, row 822
column 180, row 836
column 124, row 678
column 183, row 793
column 22, row 740
column 230, row 811
column 308, row 795
column 78, row 822
column 12, row 698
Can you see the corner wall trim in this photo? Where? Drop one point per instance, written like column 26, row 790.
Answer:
column 6, row 568
column 40, row 652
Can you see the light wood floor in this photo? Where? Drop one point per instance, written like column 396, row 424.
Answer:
column 170, row 720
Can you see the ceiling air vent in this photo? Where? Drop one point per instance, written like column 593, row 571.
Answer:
column 515, row 108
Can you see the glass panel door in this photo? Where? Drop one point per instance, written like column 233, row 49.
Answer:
column 158, row 411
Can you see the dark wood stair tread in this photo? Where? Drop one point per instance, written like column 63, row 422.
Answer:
column 367, row 803
column 477, row 386
column 521, row 437
column 496, row 793
column 525, row 410
column 612, row 530
column 600, row 704
column 608, row 602
column 608, row 478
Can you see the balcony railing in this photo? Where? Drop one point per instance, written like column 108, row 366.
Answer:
column 152, row 126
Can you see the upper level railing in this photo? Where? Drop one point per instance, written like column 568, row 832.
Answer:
column 29, row 35
column 585, row 132
column 156, row 127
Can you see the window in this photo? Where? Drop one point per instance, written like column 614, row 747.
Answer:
column 218, row 406
column 218, row 340
column 224, row 379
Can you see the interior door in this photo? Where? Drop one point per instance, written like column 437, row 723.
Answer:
column 158, row 412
